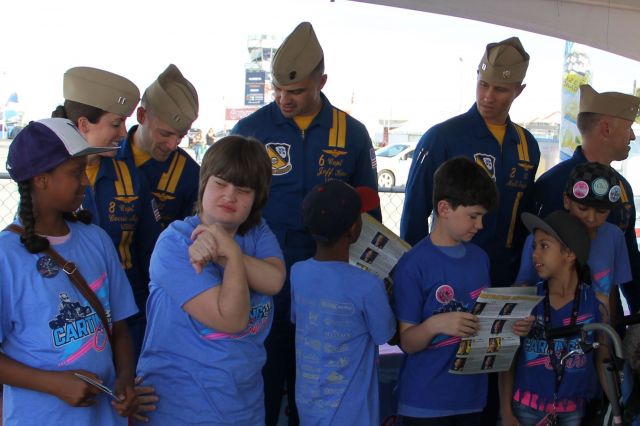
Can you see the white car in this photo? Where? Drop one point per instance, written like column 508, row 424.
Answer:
column 394, row 162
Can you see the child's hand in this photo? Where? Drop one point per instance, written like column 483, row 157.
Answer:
column 212, row 244
column 147, row 398
column 227, row 246
column 204, row 248
column 128, row 404
column 460, row 324
column 74, row 391
column 523, row 327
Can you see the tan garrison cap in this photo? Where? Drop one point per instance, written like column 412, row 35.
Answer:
column 504, row 62
column 101, row 89
column 174, row 99
column 609, row 103
column 297, row 56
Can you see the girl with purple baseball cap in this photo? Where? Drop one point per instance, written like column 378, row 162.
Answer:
column 64, row 296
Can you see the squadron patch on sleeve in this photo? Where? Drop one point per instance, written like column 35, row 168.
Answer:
column 280, row 158
column 487, row 162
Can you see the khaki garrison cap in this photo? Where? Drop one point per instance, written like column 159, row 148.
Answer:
column 100, row 89
column 504, row 62
column 297, row 56
column 174, row 99
column 609, row 103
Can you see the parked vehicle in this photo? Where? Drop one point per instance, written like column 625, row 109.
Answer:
column 394, row 162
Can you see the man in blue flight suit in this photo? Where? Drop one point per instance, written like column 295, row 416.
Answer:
column 604, row 122
column 168, row 108
column 508, row 153
column 309, row 142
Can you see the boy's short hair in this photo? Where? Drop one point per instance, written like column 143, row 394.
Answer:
column 331, row 208
column 243, row 162
column 594, row 185
column 462, row 182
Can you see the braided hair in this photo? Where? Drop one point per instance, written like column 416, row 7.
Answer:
column 32, row 241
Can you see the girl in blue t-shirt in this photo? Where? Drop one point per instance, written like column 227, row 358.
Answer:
column 539, row 387
column 210, row 306
column 49, row 331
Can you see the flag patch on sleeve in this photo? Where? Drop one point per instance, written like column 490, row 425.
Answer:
column 372, row 155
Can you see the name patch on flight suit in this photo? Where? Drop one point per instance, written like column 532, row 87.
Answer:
column 520, row 176
column 123, row 213
column 330, row 165
column 280, row 158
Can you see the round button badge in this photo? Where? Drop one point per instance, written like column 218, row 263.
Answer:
column 580, row 189
column 614, row 194
column 600, row 187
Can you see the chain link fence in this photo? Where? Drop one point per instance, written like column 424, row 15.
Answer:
column 9, row 199
column 391, row 201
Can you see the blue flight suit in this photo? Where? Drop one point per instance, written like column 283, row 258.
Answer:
column 513, row 167
column 173, row 183
column 120, row 203
column 548, row 192
column 334, row 146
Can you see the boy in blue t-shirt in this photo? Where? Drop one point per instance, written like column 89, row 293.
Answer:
column 341, row 313
column 435, row 286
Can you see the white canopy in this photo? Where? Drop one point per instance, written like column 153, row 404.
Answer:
column 611, row 25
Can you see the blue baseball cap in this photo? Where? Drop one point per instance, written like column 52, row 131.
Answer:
column 45, row 144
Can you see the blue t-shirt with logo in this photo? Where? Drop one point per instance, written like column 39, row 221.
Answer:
column 534, row 381
column 202, row 375
column 46, row 323
column 427, row 282
column 608, row 260
column 341, row 313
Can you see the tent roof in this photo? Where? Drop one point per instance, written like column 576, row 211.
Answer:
column 611, row 25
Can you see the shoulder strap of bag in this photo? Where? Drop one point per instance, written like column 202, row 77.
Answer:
column 76, row 278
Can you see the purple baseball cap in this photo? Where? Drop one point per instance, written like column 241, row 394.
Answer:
column 45, row 144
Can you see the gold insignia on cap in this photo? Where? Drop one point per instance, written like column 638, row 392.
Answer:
column 504, row 62
column 100, row 89
column 615, row 104
column 297, row 56
column 174, row 99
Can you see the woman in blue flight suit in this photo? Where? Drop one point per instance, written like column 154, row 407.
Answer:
column 99, row 102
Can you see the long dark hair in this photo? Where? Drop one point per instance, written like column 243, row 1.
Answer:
column 32, row 241
column 584, row 273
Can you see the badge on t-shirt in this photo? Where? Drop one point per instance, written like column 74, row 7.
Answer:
column 47, row 267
